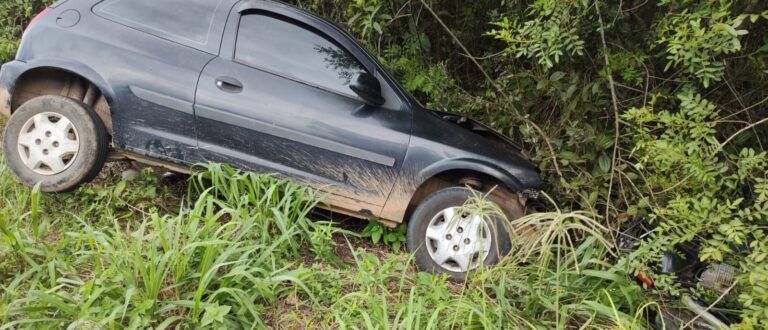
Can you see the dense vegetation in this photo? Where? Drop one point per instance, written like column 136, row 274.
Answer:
column 631, row 108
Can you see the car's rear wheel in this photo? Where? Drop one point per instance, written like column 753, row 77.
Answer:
column 447, row 238
column 55, row 141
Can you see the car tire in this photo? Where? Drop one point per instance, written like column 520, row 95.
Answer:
column 430, row 249
column 55, row 141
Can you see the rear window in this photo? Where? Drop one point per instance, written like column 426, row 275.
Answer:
column 189, row 22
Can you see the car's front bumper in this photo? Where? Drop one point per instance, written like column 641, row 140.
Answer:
column 9, row 74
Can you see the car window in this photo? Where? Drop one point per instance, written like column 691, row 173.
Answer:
column 291, row 50
column 184, row 21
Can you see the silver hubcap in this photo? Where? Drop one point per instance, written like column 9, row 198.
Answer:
column 48, row 143
column 458, row 242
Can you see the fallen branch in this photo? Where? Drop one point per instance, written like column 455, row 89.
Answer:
column 749, row 127
column 706, row 310
column 615, row 99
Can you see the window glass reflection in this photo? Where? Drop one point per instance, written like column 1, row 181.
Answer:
column 287, row 49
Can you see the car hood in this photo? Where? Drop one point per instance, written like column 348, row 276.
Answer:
column 483, row 130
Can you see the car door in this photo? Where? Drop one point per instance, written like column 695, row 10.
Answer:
column 281, row 102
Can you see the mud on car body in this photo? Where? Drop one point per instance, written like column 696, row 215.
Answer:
column 265, row 87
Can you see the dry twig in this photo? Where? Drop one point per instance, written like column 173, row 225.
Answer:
column 725, row 293
column 615, row 99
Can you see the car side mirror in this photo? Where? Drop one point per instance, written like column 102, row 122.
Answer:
column 368, row 88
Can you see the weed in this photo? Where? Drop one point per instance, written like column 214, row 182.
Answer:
column 378, row 232
column 241, row 252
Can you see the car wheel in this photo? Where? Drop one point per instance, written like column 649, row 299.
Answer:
column 55, row 141
column 446, row 239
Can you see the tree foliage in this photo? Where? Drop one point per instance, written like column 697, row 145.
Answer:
column 14, row 16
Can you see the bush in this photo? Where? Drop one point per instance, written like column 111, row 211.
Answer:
column 14, row 16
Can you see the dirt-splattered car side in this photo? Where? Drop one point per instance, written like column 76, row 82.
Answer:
column 264, row 87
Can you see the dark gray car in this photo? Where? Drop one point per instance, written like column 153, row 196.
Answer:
column 264, row 87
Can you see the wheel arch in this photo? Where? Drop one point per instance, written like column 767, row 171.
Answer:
column 66, row 78
column 460, row 172
column 502, row 176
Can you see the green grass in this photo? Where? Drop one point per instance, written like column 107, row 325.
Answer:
column 240, row 250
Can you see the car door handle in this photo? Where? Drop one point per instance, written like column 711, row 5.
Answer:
column 229, row 84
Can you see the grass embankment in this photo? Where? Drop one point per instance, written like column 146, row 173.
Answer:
column 240, row 251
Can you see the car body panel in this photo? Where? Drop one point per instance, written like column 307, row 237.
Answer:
column 207, row 39
column 147, row 63
column 166, row 105
column 289, row 127
column 334, row 142
column 438, row 146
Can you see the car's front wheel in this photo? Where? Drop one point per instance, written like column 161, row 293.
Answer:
column 448, row 238
column 55, row 141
